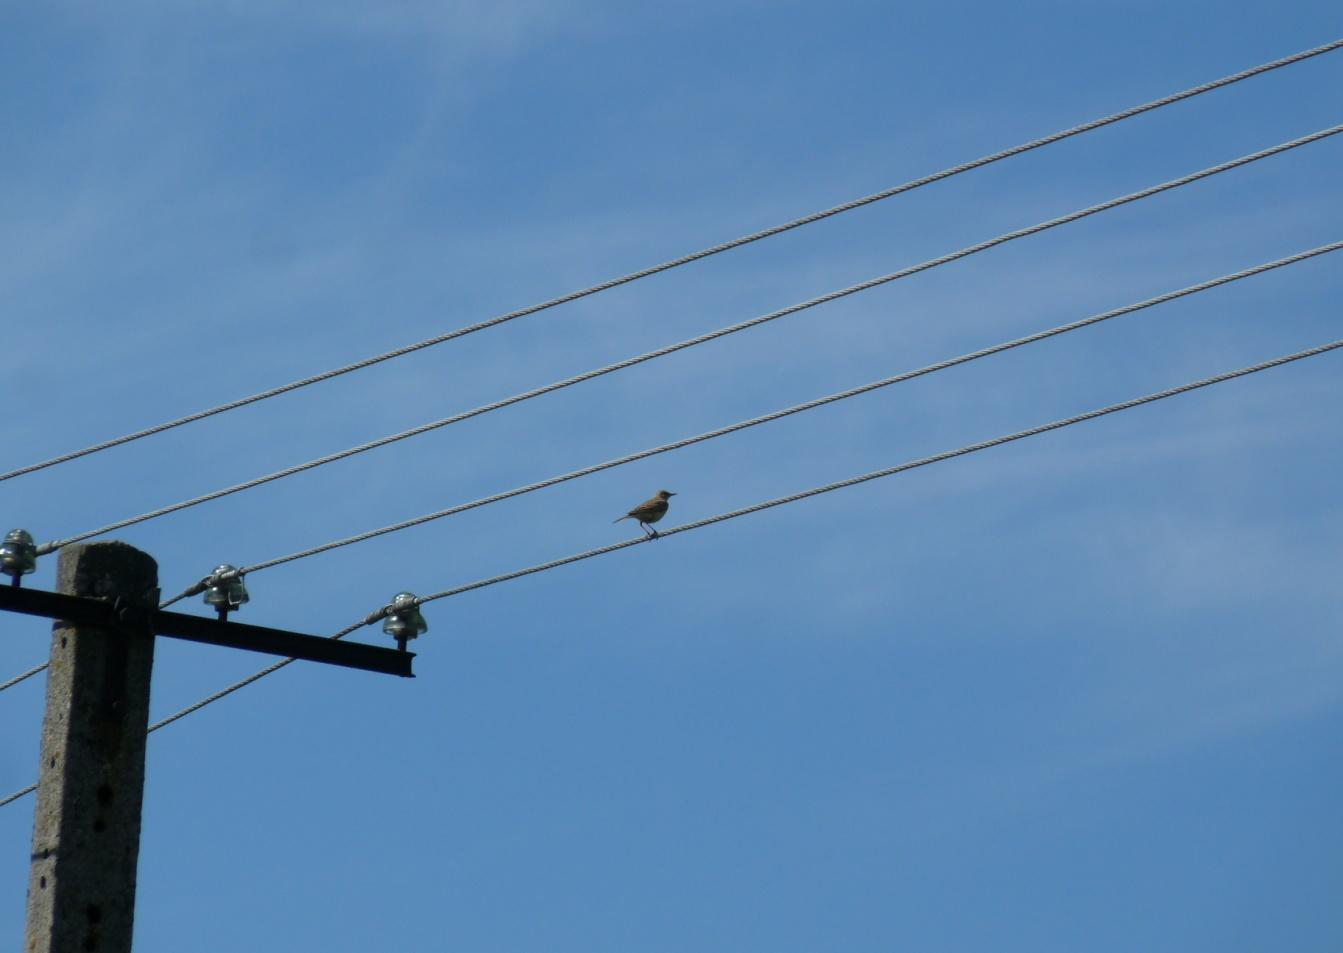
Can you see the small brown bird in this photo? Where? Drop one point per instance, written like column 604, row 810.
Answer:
column 649, row 512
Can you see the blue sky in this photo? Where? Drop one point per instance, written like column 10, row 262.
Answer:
column 1077, row 692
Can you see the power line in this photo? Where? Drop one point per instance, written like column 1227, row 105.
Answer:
column 779, row 501
column 775, row 415
column 890, row 471
column 49, row 547
column 788, row 411
column 18, row 794
column 752, row 422
column 22, row 676
column 685, row 259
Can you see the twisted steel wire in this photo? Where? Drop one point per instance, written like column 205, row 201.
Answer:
column 686, row 259
column 1192, row 177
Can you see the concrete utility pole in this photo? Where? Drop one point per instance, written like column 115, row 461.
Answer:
column 86, row 833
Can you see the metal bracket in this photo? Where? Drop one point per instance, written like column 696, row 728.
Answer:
column 133, row 614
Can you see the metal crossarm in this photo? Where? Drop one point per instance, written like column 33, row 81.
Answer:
column 177, row 625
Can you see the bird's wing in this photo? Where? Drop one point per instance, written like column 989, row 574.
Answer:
column 653, row 509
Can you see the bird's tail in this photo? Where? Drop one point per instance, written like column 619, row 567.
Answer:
column 625, row 517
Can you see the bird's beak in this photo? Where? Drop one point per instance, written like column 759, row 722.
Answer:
column 670, row 493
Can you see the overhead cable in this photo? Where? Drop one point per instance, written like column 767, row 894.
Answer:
column 779, row 501
column 18, row 794
column 686, row 259
column 23, row 676
column 788, row 411
column 701, row 339
column 878, row 474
